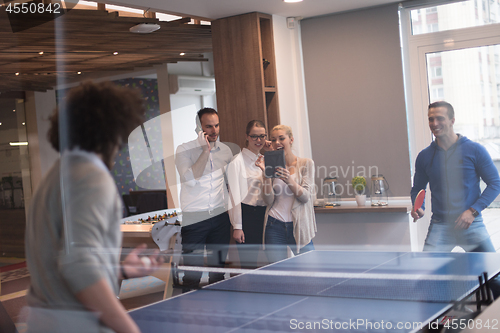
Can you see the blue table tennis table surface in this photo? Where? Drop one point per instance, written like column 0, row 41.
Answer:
column 288, row 303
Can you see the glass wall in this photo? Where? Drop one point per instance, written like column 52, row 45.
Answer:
column 451, row 52
column 469, row 79
column 15, row 182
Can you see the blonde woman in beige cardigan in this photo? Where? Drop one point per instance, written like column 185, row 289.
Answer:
column 289, row 219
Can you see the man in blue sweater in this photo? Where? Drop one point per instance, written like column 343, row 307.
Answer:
column 453, row 166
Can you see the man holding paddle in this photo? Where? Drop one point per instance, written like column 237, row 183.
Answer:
column 453, row 166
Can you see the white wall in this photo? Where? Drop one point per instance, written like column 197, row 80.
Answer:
column 355, row 97
column 180, row 121
column 291, row 87
column 203, row 68
column 39, row 107
column 45, row 103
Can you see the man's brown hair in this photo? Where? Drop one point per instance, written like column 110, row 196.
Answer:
column 448, row 106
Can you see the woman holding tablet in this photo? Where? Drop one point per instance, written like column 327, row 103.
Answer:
column 289, row 219
column 247, row 207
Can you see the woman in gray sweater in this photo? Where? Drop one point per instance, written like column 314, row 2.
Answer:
column 290, row 220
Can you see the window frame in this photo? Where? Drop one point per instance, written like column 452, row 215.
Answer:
column 414, row 50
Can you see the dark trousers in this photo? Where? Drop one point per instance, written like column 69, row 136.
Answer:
column 253, row 228
column 214, row 233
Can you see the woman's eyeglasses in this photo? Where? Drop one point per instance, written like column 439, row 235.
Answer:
column 256, row 137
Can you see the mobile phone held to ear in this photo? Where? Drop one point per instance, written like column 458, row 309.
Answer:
column 272, row 160
column 198, row 129
column 198, row 125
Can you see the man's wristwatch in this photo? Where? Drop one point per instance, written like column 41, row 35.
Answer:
column 475, row 213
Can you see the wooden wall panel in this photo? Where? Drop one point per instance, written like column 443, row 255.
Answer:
column 239, row 75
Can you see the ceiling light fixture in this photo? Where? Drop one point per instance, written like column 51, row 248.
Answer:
column 0, row 124
column 24, row 123
column 292, row 0
column 145, row 28
column 17, row 73
column 78, row 73
column 21, row 143
column 13, row 110
column 40, row 53
column 182, row 53
column 115, row 53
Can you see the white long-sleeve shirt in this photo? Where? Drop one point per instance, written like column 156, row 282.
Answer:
column 245, row 185
column 206, row 193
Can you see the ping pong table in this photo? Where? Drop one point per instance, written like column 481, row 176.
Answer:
column 327, row 290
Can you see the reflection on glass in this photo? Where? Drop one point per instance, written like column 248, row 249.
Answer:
column 469, row 79
column 15, row 180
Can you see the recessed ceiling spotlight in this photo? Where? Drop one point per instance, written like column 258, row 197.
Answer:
column 182, row 53
column 145, row 28
column 40, row 53
column 0, row 124
column 17, row 73
column 292, row 0
column 14, row 110
column 78, row 73
column 115, row 53
column 24, row 123
column 20, row 143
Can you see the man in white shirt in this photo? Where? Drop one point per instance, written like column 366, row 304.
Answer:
column 201, row 164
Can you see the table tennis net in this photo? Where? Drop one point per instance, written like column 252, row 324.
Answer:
column 425, row 288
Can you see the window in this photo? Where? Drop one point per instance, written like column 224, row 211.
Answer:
column 470, row 96
column 432, row 27
column 15, row 178
column 453, row 66
column 457, row 15
column 435, row 72
column 437, row 94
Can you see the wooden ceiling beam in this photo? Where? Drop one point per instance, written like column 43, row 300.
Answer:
column 85, row 41
column 149, row 14
column 183, row 20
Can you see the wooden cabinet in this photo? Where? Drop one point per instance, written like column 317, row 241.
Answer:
column 245, row 73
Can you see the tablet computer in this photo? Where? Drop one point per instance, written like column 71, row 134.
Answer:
column 272, row 160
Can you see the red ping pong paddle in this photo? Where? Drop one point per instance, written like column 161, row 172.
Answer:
column 419, row 200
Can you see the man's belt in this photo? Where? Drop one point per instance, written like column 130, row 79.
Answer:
column 189, row 218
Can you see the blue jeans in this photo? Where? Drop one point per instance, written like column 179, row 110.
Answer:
column 279, row 235
column 442, row 236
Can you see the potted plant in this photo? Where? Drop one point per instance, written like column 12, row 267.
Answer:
column 359, row 186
